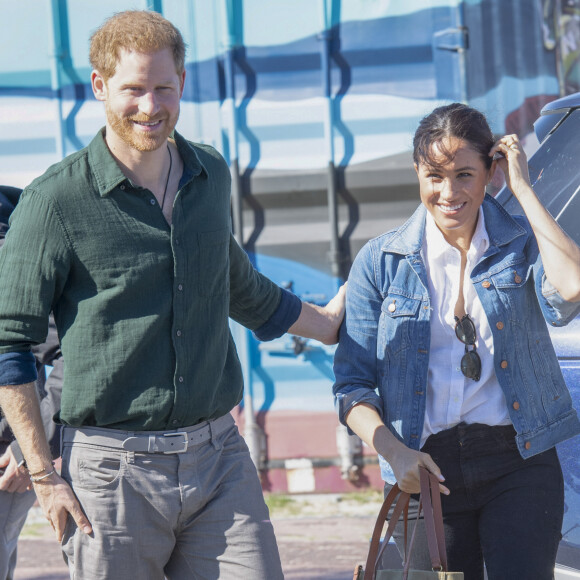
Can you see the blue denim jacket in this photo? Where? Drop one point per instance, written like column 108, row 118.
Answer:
column 386, row 348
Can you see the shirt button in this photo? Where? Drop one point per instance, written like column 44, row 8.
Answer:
column 122, row 187
column 175, row 421
column 180, row 379
column 177, row 241
column 180, row 287
column 516, row 406
column 499, row 325
column 486, row 284
column 527, row 445
column 178, row 333
column 504, row 364
column 152, row 201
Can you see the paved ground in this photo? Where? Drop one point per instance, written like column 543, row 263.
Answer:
column 320, row 538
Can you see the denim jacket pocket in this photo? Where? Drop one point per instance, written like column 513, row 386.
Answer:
column 512, row 277
column 396, row 322
column 511, row 284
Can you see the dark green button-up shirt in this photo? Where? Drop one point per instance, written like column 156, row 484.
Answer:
column 142, row 307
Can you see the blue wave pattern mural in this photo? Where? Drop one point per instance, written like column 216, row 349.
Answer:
column 386, row 72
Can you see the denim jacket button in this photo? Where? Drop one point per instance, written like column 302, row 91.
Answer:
column 516, row 406
column 504, row 364
column 391, row 307
column 527, row 445
column 499, row 325
column 486, row 284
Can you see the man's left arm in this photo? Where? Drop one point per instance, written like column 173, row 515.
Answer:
column 260, row 305
column 321, row 323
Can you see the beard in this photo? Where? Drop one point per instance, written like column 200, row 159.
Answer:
column 124, row 128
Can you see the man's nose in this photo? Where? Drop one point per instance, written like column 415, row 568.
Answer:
column 148, row 104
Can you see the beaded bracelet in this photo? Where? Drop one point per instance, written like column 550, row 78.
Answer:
column 37, row 479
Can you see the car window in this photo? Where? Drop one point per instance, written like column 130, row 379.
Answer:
column 555, row 176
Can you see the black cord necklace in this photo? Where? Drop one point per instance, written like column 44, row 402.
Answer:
column 168, row 175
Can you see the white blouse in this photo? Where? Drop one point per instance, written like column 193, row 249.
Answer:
column 451, row 397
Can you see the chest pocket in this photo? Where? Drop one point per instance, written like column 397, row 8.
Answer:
column 512, row 286
column 213, row 265
column 398, row 314
column 513, row 276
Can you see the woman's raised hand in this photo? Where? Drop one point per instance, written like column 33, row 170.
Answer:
column 510, row 156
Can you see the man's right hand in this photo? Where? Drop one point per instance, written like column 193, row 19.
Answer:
column 57, row 500
column 14, row 479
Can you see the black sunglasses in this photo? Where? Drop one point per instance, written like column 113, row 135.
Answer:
column 470, row 361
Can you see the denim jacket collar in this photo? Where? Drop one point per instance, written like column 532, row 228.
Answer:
column 501, row 229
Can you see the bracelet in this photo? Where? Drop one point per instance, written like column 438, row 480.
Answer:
column 37, row 479
column 41, row 471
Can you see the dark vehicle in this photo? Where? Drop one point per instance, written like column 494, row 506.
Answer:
column 555, row 176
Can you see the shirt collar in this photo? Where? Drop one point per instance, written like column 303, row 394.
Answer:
column 108, row 174
column 438, row 245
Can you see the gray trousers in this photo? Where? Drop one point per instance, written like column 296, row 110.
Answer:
column 197, row 515
column 14, row 508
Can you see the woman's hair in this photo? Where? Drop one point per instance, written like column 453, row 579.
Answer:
column 134, row 30
column 455, row 120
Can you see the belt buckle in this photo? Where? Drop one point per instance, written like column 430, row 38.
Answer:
column 185, row 441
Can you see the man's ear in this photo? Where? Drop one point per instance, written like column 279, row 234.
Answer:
column 99, row 86
column 182, row 83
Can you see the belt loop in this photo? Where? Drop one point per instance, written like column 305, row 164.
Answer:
column 61, row 440
column 130, row 454
column 215, row 443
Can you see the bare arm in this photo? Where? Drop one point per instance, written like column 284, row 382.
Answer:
column 321, row 323
column 22, row 410
column 367, row 424
column 560, row 255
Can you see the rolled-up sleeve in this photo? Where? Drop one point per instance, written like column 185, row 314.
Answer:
column 355, row 361
column 556, row 310
column 283, row 318
column 17, row 368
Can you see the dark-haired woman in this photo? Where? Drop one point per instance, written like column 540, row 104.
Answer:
column 445, row 360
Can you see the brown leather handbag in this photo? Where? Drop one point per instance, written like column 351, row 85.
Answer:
column 431, row 504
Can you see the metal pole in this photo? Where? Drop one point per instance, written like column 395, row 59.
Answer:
column 155, row 5
column 461, row 53
column 325, row 37
column 230, row 102
column 57, row 56
column 194, row 78
column 252, row 432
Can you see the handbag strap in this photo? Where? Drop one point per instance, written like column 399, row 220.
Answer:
column 402, row 503
column 433, row 517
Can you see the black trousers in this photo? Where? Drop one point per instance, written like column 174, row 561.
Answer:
column 502, row 509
